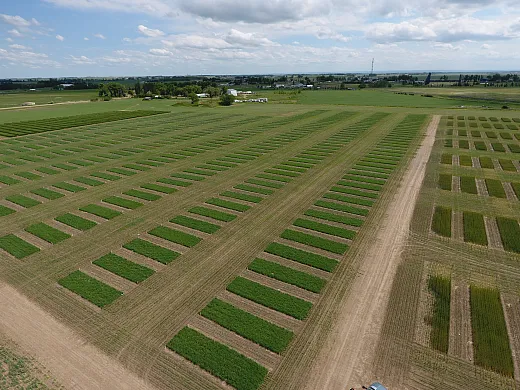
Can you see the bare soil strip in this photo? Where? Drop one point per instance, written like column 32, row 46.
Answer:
column 495, row 242
column 460, row 343
column 356, row 332
column 74, row 363
column 457, row 227
column 422, row 329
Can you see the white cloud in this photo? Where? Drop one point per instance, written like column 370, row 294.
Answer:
column 127, row 40
column 485, row 46
column 27, row 58
column 60, row 38
column 160, row 52
column 15, row 33
column 18, row 21
column 149, row 32
column 86, row 39
column 195, row 42
column 247, row 39
column 100, row 36
column 19, row 47
column 82, row 60
column 9, row 39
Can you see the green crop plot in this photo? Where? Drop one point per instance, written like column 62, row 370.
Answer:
column 465, row 161
column 495, row 188
column 100, row 211
column 142, row 195
column 6, row 211
column 441, row 222
column 474, row 228
column 225, row 363
column 287, row 275
column 349, row 199
column 514, row 148
column 324, row 228
column 468, row 185
column 301, row 256
column 341, row 207
column 463, row 144
column 276, row 300
column 445, row 182
column 17, row 247
column 440, row 287
column 497, row 147
column 174, row 182
column 176, row 236
column 480, row 146
column 47, row 233
column 106, row 176
column 23, row 201
column 507, row 165
column 509, row 233
column 248, row 326
column 94, row 291
column 88, row 181
column 490, row 338
column 228, row 205
column 68, row 187
column 486, row 163
column 186, row 176
column 120, row 266
column 352, row 191
column 159, row 188
column 154, row 252
column 8, row 180
column 76, row 222
column 241, row 196
column 256, row 190
column 334, row 218
column 196, row 224
column 47, row 194
column 28, row 175
column 122, row 202
column 215, row 214
column 447, row 159
column 315, row 241
column 273, row 177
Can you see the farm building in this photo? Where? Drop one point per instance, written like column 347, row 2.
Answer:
column 232, row 92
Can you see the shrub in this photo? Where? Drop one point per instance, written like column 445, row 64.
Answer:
column 226, row 100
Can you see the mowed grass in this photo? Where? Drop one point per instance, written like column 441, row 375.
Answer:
column 196, row 224
column 89, row 288
column 287, row 275
column 251, row 327
column 334, row 218
column 440, row 287
column 490, row 337
column 23, row 201
column 324, row 228
column 154, row 252
column 274, row 299
column 122, row 267
column 76, row 222
column 441, row 221
column 100, row 211
column 241, row 196
column 47, row 233
column 509, row 234
column 301, row 256
column 175, row 236
column 210, row 213
column 142, row 195
column 17, row 247
column 122, row 202
column 474, row 228
column 6, row 211
column 228, row 205
column 47, row 194
column 225, row 363
column 315, row 241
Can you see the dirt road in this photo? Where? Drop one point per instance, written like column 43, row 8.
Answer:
column 74, row 363
column 346, row 359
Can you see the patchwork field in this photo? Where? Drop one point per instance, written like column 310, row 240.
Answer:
column 203, row 249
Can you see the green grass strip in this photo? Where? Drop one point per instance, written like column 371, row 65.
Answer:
column 4, row 211
column 241, row 196
column 17, row 247
column 215, row 214
column 474, row 228
column 174, row 182
column 324, row 228
column 136, row 167
column 315, row 241
column 228, row 205
column 507, row 165
column 196, row 224
column 465, row 161
column 99, row 293
column 495, row 188
column 287, row 275
column 47, row 194
column 509, row 233
column 440, row 288
column 47, row 233
column 486, row 163
column 273, row 177
column 441, row 222
column 122, row 267
column 154, row 252
column 334, row 218
column 176, row 236
column 68, row 187
column 181, row 175
column 274, row 299
column 28, row 175
column 225, row 363
column 490, row 338
column 251, row 327
column 159, row 188
column 23, row 201
column 351, row 191
column 76, row 222
column 349, row 199
column 445, row 182
column 100, row 211
column 122, row 171
column 89, row 181
column 264, row 183
column 256, row 190
column 142, row 195
column 468, row 185
column 8, row 180
column 282, row 173
column 300, row 256
column 122, row 202
column 341, row 207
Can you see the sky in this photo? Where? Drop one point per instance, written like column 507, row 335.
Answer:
column 65, row 38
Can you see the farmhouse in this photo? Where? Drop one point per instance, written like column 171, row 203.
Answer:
column 232, row 92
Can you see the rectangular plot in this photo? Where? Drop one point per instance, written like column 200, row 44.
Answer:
column 106, row 176
column 76, row 222
column 441, row 222
column 88, row 181
column 47, row 233
column 282, row 173
column 273, row 177
column 497, row 147
column 65, row 167
column 136, row 167
column 276, row 300
column 447, row 159
column 349, row 199
column 47, row 171
column 228, row 205
column 99, row 293
column 486, row 163
column 122, row 267
column 440, row 287
column 225, row 363
column 23, row 201
column 100, row 211
column 196, row 224
column 445, row 182
column 495, row 188
column 287, row 275
column 8, row 180
column 334, row 218
column 174, row 182
column 122, row 171
column 175, row 236
column 251, row 327
column 68, row 187
column 256, row 190
column 324, row 228
column 474, row 228
column 159, row 188
column 490, row 338
column 509, row 233
column 215, row 214
column 264, row 183
column 181, row 175
column 153, row 251
column 6, row 211
column 342, row 207
column 301, row 256
column 122, row 202
column 507, row 165
column 241, row 196
column 47, row 194
column 28, row 175
column 315, row 241
column 468, row 185
column 142, row 195
column 465, row 161
column 17, row 247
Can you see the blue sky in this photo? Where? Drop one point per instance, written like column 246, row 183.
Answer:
column 60, row 38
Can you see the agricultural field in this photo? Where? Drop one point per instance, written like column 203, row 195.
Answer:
column 256, row 247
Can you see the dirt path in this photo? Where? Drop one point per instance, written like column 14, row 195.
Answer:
column 71, row 360
column 349, row 351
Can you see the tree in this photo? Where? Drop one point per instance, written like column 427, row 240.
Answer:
column 227, row 100
column 194, row 98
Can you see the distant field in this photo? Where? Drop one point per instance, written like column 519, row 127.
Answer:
column 15, row 99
